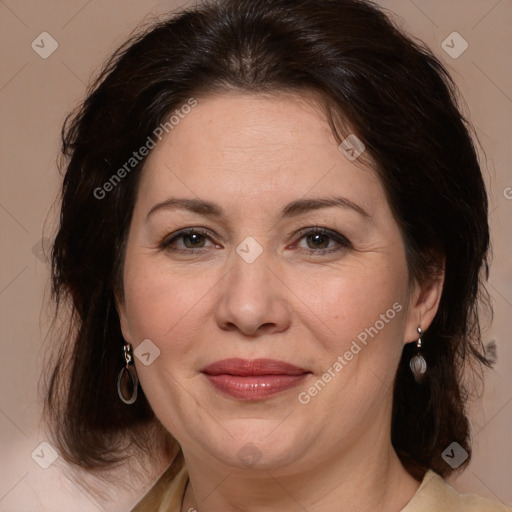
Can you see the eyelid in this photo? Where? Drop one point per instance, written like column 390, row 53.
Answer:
column 340, row 239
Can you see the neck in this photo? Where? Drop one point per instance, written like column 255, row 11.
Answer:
column 358, row 480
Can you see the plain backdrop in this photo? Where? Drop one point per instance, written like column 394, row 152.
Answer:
column 35, row 95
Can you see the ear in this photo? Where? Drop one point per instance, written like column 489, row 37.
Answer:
column 123, row 317
column 424, row 302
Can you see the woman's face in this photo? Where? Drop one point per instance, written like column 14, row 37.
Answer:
column 291, row 254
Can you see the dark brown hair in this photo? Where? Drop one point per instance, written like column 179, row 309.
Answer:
column 388, row 88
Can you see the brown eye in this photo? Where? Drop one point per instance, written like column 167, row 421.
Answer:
column 322, row 241
column 192, row 240
column 318, row 241
column 188, row 240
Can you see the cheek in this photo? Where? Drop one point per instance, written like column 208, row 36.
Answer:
column 353, row 298
column 174, row 308
column 330, row 306
column 159, row 302
column 335, row 304
column 365, row 312
column 169, row 308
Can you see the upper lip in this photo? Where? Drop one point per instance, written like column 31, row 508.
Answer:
column 251, row 367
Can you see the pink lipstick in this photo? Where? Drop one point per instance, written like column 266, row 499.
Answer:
column 253, row 379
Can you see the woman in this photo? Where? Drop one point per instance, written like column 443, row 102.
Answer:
column 272, row 231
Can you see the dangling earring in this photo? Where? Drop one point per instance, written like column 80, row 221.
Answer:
column 127, row 372
column 417, row 363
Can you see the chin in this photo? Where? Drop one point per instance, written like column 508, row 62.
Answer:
column 254, row 448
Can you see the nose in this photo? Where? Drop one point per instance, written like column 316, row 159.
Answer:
column 253, row 299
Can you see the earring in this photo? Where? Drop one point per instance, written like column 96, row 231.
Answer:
column 417, row 363
column 127, row 379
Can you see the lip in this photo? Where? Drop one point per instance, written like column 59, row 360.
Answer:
column 252, row 367
column 254, row 379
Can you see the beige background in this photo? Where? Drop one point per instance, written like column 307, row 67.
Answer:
column 35, row 95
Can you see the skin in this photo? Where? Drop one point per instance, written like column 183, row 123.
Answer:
column 252, row 155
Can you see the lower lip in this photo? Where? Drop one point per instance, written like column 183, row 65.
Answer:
column 255, row 387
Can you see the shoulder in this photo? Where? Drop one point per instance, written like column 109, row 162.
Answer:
column 435, row 495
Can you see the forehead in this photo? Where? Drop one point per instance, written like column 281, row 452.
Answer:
column 241, row 143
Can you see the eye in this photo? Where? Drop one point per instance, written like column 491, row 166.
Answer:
column 188, row 240
column 320, row 241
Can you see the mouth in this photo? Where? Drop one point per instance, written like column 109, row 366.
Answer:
column 253, row 379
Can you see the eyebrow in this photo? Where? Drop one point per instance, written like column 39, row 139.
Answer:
column 293, row 209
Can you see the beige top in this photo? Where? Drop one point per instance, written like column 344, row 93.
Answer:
column 433, row 495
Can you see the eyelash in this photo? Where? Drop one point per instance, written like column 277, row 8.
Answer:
column 343, row 242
